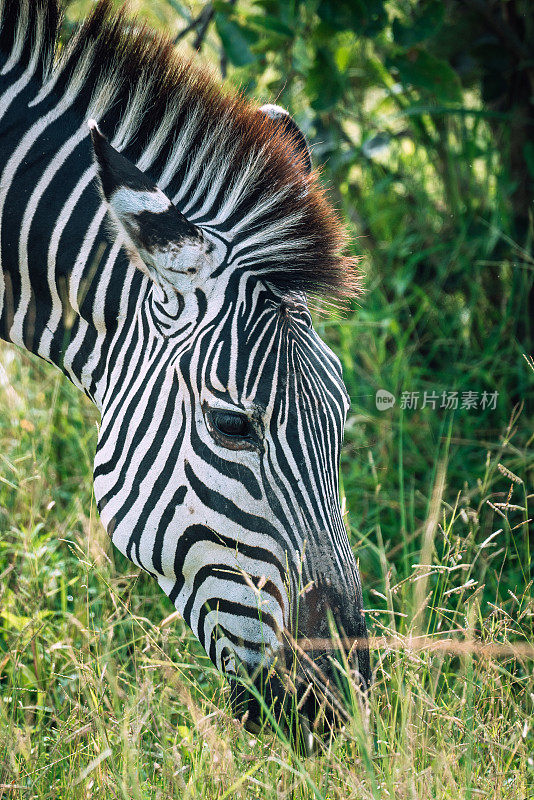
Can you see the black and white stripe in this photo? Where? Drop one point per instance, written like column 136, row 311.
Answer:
column 171, row 300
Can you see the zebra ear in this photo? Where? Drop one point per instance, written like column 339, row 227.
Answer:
column 169, row 246
column 286, row 124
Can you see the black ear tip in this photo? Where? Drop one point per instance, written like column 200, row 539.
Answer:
column 105, row 157
column 98, row 139
column 114, row 169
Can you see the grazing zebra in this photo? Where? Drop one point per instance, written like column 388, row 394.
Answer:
column 160, row 255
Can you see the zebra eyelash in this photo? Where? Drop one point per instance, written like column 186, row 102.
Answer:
column 250, row 440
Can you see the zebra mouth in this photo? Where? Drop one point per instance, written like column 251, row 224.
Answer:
column 273, row 707
column 307, row 704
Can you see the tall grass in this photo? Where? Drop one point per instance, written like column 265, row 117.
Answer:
column 103, row 692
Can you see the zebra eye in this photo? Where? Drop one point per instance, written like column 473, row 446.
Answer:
column 231, row 423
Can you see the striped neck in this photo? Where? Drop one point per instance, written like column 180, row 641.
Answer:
column 65, row 288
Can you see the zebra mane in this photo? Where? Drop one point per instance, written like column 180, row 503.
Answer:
column 222, row 161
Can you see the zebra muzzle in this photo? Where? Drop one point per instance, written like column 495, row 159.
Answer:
column 306, row 693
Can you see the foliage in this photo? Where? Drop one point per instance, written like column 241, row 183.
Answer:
column 420, row 114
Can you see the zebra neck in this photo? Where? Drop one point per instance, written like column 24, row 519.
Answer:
column 64, row 289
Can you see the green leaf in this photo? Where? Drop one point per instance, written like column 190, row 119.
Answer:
column 235, row 40
column 270, row 23
column 325, row 84
column 14, row 620
column 343, row 56
column 28, row 675
column 426, row 22
column 268, row 44
column 302, row 58
column 419, row 68
column 366, row 17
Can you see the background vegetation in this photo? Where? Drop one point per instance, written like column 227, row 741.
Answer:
column 421, row 116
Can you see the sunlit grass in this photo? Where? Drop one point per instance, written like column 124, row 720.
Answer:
column 101, row 694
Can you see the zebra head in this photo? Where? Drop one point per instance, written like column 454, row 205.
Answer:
column 218, row 457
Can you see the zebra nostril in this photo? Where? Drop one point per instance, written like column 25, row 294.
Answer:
column 331, row 627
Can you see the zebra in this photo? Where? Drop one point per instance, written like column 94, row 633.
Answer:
column 159, row 239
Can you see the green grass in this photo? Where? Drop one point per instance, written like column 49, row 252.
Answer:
column 99, row 696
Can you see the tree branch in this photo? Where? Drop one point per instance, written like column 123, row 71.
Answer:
column 204, row 20
column 201, row 22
